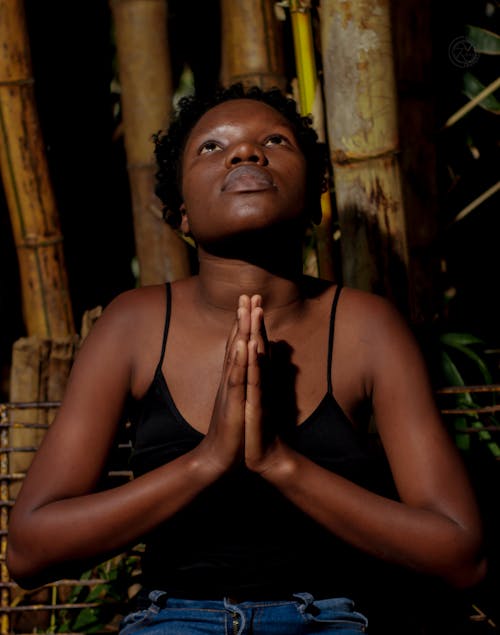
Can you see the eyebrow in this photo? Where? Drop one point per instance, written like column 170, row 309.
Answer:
column 225, row 128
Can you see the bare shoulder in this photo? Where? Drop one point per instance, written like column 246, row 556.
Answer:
column 361, row 314
column 135, row 304
column 361, row 301
column 118, row 355
column 374, row 340
column 129, row 313
column 126, row 322
column 372, row 315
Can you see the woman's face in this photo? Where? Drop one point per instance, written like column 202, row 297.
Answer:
column 242, row 170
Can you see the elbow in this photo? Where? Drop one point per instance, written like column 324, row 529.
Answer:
column 465, row 565
column 467, row 575
column 21, row 569
column 24, row 562
column 28, row 573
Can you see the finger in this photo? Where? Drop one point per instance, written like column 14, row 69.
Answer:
column 256, row 322
column 230, row 339
column 254, row 385
column 255, row 301
column 253, row 406
column 258, row 331
column 235, row 388
column 244, row 319
column 243, row 303
column 236, row 369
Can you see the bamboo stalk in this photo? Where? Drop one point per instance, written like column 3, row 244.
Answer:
column 491, row 88
column 146, row 88
column 4, row 519
column 27, row 383
column 311, row 103
column 362, row 127
column 477, row 201
column 252, row 50
column 411, row 22
column 23, row 164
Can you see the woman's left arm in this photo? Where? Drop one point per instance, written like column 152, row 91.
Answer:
column 435, row 527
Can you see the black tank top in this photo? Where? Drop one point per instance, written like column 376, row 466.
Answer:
column 241, row 537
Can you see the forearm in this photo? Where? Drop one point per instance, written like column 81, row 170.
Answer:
column 416, row 537
column 84, row 527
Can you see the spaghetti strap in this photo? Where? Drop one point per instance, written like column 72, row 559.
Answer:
column 330, row 339
column 167, row 322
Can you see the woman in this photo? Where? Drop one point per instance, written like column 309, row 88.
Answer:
column 254, row 491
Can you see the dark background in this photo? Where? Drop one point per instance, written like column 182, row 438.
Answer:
column 74, row 67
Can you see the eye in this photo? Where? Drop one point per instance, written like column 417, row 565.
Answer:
column 275, row 140
column 208, row 147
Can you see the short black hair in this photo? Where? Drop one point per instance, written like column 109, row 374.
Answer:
column 169, row 146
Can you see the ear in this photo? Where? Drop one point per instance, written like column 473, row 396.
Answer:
column 184, row 226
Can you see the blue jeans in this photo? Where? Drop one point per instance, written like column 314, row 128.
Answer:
column 300, row 616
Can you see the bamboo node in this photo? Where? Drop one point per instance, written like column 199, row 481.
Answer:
column 341, row 157
column 27, row 81
column 140, row 165
column 299, row 6
column 279, row 10
column 258, row 78
column 156, row 211
column 33, row 242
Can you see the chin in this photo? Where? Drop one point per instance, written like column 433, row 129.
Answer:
column 254, row 237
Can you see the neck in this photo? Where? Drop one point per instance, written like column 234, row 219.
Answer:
column 275, row 273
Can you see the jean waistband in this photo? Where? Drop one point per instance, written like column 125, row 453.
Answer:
column 146, row 597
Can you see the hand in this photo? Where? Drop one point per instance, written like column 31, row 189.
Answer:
column 261, row 442
column 224, row 442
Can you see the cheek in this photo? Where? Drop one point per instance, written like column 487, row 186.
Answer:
column 193, row 193
column 297, row 184
column 197, row 198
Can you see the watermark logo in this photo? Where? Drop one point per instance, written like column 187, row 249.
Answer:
column 462, row 52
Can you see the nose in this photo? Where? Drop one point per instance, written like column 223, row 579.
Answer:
column 246, row 152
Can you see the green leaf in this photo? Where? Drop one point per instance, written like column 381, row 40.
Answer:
column 482, row 40
column 86, row 618
column 97, row 593
column 64, row 624
column 461, row 342
column 459, row 339
column 462, row 441
column 479, row 362
column 472, row 87
column 484, row 435
column 452, row 374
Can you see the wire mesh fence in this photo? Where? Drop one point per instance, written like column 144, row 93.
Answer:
column 96, row 601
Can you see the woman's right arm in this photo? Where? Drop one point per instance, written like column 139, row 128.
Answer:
column 58, row 518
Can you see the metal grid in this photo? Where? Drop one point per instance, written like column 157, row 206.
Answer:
column 57, row 606
column 47, row 608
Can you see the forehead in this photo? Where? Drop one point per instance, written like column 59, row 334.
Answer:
column 240, row 112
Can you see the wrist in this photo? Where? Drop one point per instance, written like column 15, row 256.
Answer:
column 203, row 468
column 279, row 465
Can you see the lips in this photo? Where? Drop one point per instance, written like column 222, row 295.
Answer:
column 247, row 178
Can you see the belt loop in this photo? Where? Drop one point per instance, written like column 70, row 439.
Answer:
column 306, row 600
column 158, row 600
